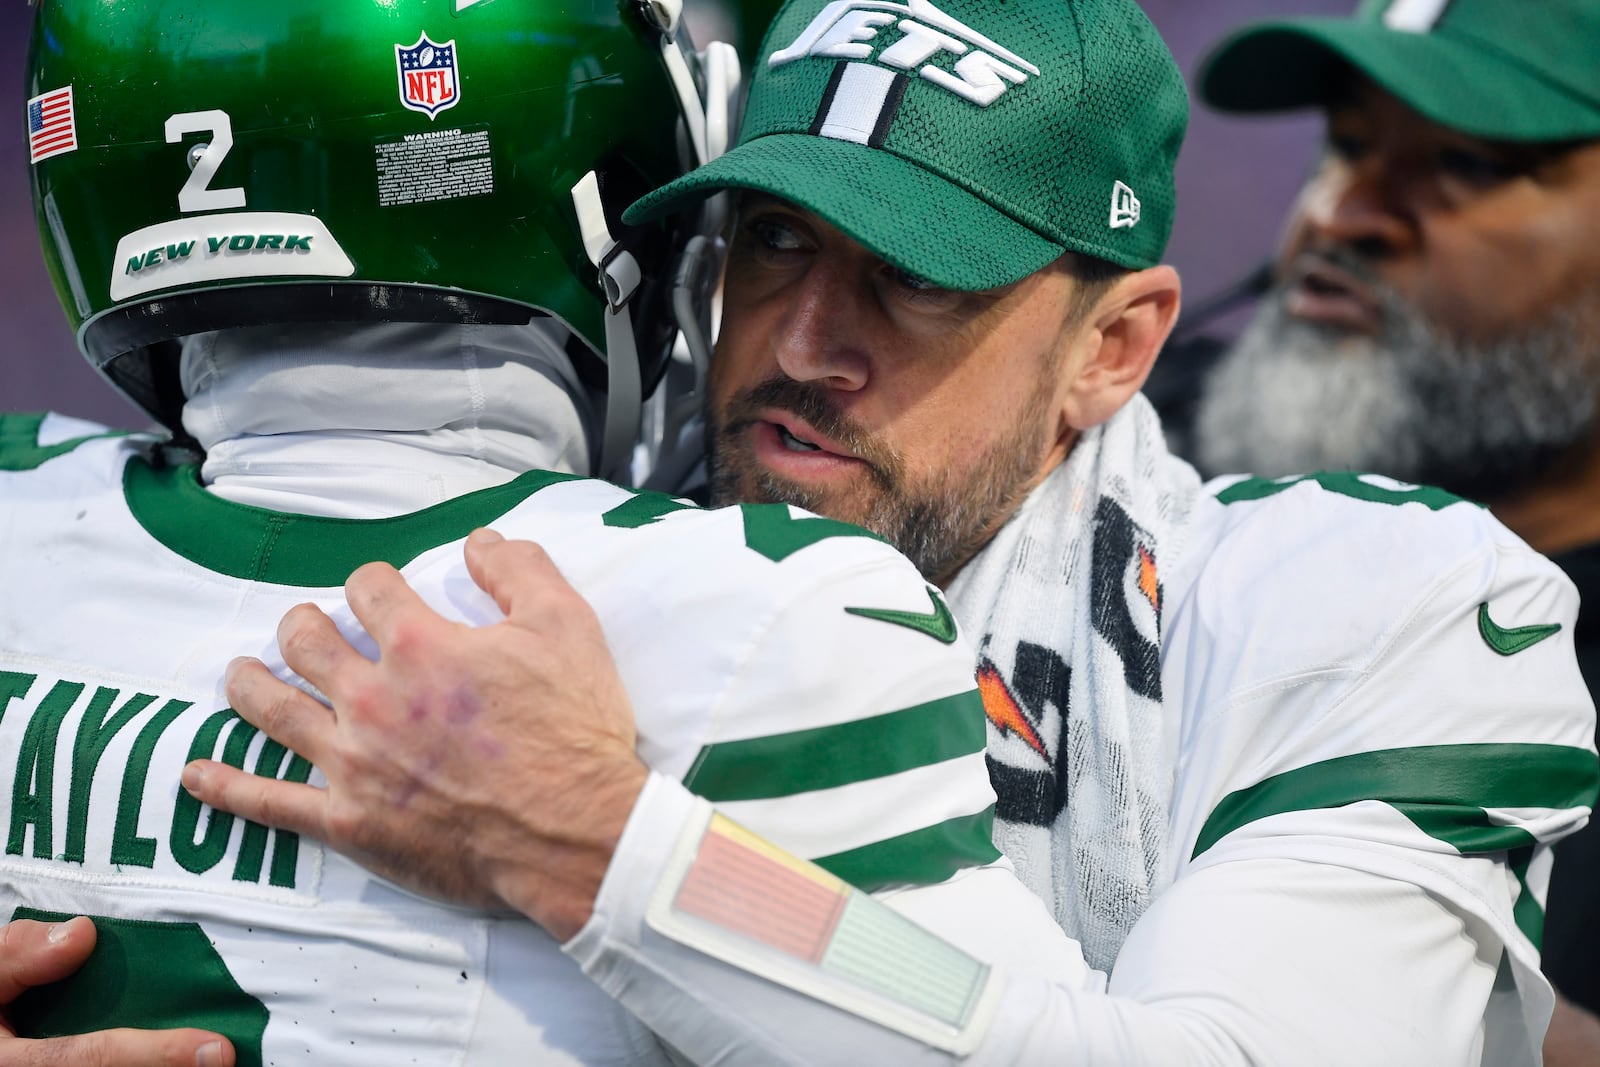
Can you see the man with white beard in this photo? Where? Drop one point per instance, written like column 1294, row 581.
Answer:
column 1432, row 315
column 1298, row 392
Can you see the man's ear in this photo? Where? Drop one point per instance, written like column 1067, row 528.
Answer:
column 1124, row 332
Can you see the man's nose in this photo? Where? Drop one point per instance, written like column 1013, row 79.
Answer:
column 822, row 335
column 1363, row 206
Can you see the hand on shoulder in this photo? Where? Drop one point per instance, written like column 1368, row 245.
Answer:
column 492, row 766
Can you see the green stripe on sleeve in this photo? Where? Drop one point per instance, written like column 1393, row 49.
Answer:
column 922, row 857
column 1526, row 911
column 825, row 757
column 1468, row 828
column 1441, row 788
column 1472, row 833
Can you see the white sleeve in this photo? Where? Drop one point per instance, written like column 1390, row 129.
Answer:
column 1257, row 961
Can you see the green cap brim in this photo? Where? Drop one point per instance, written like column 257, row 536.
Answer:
column 1463, row 85
column 905, row 215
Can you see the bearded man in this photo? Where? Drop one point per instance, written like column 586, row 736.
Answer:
column 1433, row 315
column 1246, row 738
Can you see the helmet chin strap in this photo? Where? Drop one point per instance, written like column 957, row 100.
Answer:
column 710, row 121
column 676, row 441
column 619, row 278
column 674, row 445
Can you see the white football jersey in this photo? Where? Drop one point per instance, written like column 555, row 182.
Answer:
column 1376, row 724
column 792, row 669
column 1377, row 728
column 1379, row 677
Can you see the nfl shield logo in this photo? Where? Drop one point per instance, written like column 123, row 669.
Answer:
column 427, row 75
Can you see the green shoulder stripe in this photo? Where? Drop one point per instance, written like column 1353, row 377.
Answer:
column 771, row 530
column 301, row 550
column 1443, row 789
column 20, row 449
column 642, row 509
column 922, row 857
column 781, row 765
column 1344, row 483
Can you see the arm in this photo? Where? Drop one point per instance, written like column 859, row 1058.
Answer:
column 1248, row 958
column 1259, row 961
column 1377, row 922
column 34, row 954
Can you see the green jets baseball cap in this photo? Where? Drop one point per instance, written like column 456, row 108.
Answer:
column 1507, row 70
column 970, row 144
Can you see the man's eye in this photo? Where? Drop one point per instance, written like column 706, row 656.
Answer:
column 1347, row 147
column 907, row 280
column 916, row 292
column 1474, row 167
column 774, row 235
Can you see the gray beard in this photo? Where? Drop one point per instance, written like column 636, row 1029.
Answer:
column 1481, row 420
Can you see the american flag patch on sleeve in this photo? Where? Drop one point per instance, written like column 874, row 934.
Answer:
column 52, row 129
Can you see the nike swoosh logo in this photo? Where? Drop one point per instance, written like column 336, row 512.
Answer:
column 940, row 625
column 1508, row 642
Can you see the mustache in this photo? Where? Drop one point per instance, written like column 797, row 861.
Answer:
column 1392, row 307
column 812, row 403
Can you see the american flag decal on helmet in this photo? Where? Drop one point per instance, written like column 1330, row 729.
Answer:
column 52, row 127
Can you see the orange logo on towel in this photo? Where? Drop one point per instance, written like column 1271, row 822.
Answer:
column 1003, row 709
column 1149, row 583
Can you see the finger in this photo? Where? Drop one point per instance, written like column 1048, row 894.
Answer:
column 36, row 953
column 313, row 648
column 123, row 1048
column 519, row 575
column 389, row 608
column 290, row 716
column 292, row 806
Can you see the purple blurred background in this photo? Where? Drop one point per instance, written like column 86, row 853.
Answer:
column 1235, row 181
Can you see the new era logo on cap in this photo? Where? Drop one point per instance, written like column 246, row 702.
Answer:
column 1124, row 207
column 1414, row 16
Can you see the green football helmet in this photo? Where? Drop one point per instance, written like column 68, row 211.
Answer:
column 206, row 164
